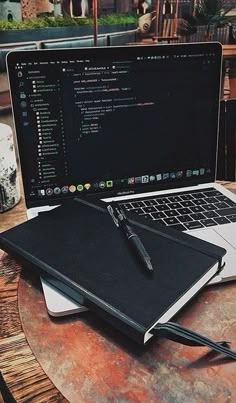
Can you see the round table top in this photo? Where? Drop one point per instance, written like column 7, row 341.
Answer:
column 88, row 361
column 82, row 359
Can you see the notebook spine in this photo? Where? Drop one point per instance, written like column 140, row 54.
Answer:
column 130, row 329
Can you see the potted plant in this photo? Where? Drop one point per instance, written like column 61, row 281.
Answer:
column 45, row 28
column 207, row 21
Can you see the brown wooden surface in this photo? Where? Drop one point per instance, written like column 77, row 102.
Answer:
column 13, row 216
column 21, row 371
column 85, row 360
column 229, row 51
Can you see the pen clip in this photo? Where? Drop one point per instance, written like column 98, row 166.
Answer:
column 111, row 212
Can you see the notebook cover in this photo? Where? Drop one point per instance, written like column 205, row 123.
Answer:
column 80, row 246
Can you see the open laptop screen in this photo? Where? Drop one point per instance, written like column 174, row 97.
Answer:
column 115, row 120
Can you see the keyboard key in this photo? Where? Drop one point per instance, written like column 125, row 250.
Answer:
column 197, row 209
column 150, row 209
column 223, row 198
column 226, row 200
column 231, row 217
column 212, row 193
column 227, row 211
column 186, row 197
column 210, row 214
column 185, row 218
column 209, row 207
column 126, row 206
column 138, row 204
column 187, row 203
column 198, row 195
column 158, row 215
column 208, row 223
column 221, row 205
column 199, row 202
column 151, row 202
column 193, row 225
column 171, row 221
column 174, row 205
column 174, row 199
column 221, row 220
column 163, row 207
column 179, row 227
column 211, row 200
column 184, row 211
column 197, row 216
column 171, row 213
column 162, row 200
column 231, row 203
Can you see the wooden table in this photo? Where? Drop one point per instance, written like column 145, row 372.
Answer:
column 81, row 359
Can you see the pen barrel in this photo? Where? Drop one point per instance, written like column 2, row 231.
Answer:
column 129, row 232
column 139, row 248
column 137, row 245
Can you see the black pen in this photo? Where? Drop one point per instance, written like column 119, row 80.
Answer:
column 121, row 221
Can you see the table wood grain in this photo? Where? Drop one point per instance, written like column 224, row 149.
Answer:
column 229, row 51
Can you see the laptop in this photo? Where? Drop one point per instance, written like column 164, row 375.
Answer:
column 138, row 124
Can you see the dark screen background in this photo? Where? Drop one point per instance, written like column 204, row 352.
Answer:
column 156, row 111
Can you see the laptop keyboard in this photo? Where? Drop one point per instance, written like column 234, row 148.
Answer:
column 186, row 210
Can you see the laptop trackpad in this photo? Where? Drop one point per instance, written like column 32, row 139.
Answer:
column 228, row 232
column 219, row 238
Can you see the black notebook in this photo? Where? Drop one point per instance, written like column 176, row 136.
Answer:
column 79, row 245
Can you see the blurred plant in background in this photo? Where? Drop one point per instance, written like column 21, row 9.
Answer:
column 209, row 13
